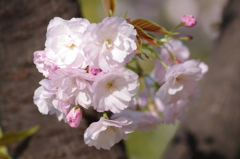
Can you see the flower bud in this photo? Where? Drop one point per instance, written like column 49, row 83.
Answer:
column 74, row 117
column 189, row 20
column 94, row 71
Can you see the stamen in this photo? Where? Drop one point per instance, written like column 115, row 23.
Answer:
column 111, row 87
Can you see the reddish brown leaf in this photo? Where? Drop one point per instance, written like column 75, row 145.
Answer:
column 142, row 34
column 150, row 26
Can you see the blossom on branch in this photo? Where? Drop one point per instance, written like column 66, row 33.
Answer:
column 181, row 81
column 64, row 42
column 114, row 90
column 105, row 133
column 110, row 43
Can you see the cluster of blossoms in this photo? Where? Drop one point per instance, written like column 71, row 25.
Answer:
column 87, row 65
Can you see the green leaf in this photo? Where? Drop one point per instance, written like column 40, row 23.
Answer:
column 125, row 15
column 109, row 7
column 4, row 156
column 13, row 137
column 142, row 34
column 150, row 26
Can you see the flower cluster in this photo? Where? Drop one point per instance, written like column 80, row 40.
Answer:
column 93, row 65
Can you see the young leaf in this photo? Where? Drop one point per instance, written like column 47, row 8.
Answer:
column 12, row 137
column 142, row 34
column 150, row 26
column 109, row 7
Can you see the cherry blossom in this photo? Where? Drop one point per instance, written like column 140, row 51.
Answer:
column 105, row 133
column 115, row 90
column 64, row 42
column 43, row 98
column 177, row 49
column 110, row 43
column 145, row 121
column 181, row 81
column 43, row 64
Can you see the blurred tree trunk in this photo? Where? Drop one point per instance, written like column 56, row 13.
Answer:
column 212, row 129
column 23, row 25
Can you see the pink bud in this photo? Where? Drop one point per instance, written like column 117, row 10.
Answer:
column 128, row 20
column 189, row 20
column 94, row 71
column 74, row 117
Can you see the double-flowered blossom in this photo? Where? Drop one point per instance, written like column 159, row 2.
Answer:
column 65, row 88
column 181, row 81
column 64, row 42
column 114, row 90
column 105, row 133
column 44, row 97
column 110, row 43
column 173, row 53
column 44, row 64
column 179, row 52
column 88, row 65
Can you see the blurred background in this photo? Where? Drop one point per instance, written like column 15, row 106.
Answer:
column 166, row 13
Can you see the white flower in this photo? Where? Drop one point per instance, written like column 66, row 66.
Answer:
column 115, row 90
column 158, row 72
column 110, row 43
column 181, row 81
column 204, row 67
column 176, row 48
column 105, row 133
column 43, row 64
column 145, row 121
column 73, row 87
column 64, row 89
column 43, row 98
column 175, row 111
column 64, row 42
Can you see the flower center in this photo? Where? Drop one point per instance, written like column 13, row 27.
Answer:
column 111, row 86
column 179, row 79
column 109, row 43
column 71, row 47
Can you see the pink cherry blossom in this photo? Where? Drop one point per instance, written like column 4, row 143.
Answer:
column 177, row 49
column 145, row 121
column 158, row 73
column 105, row 133
column 110, row 43
column 73, row 87
column 43, row 64
column 43, row 98
column 204, row 67
column 175, row 111
column 64, row 42
column 115, row 90
column 189, row 20
column 74, row 117
column 181, row 81
column 64, row 89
